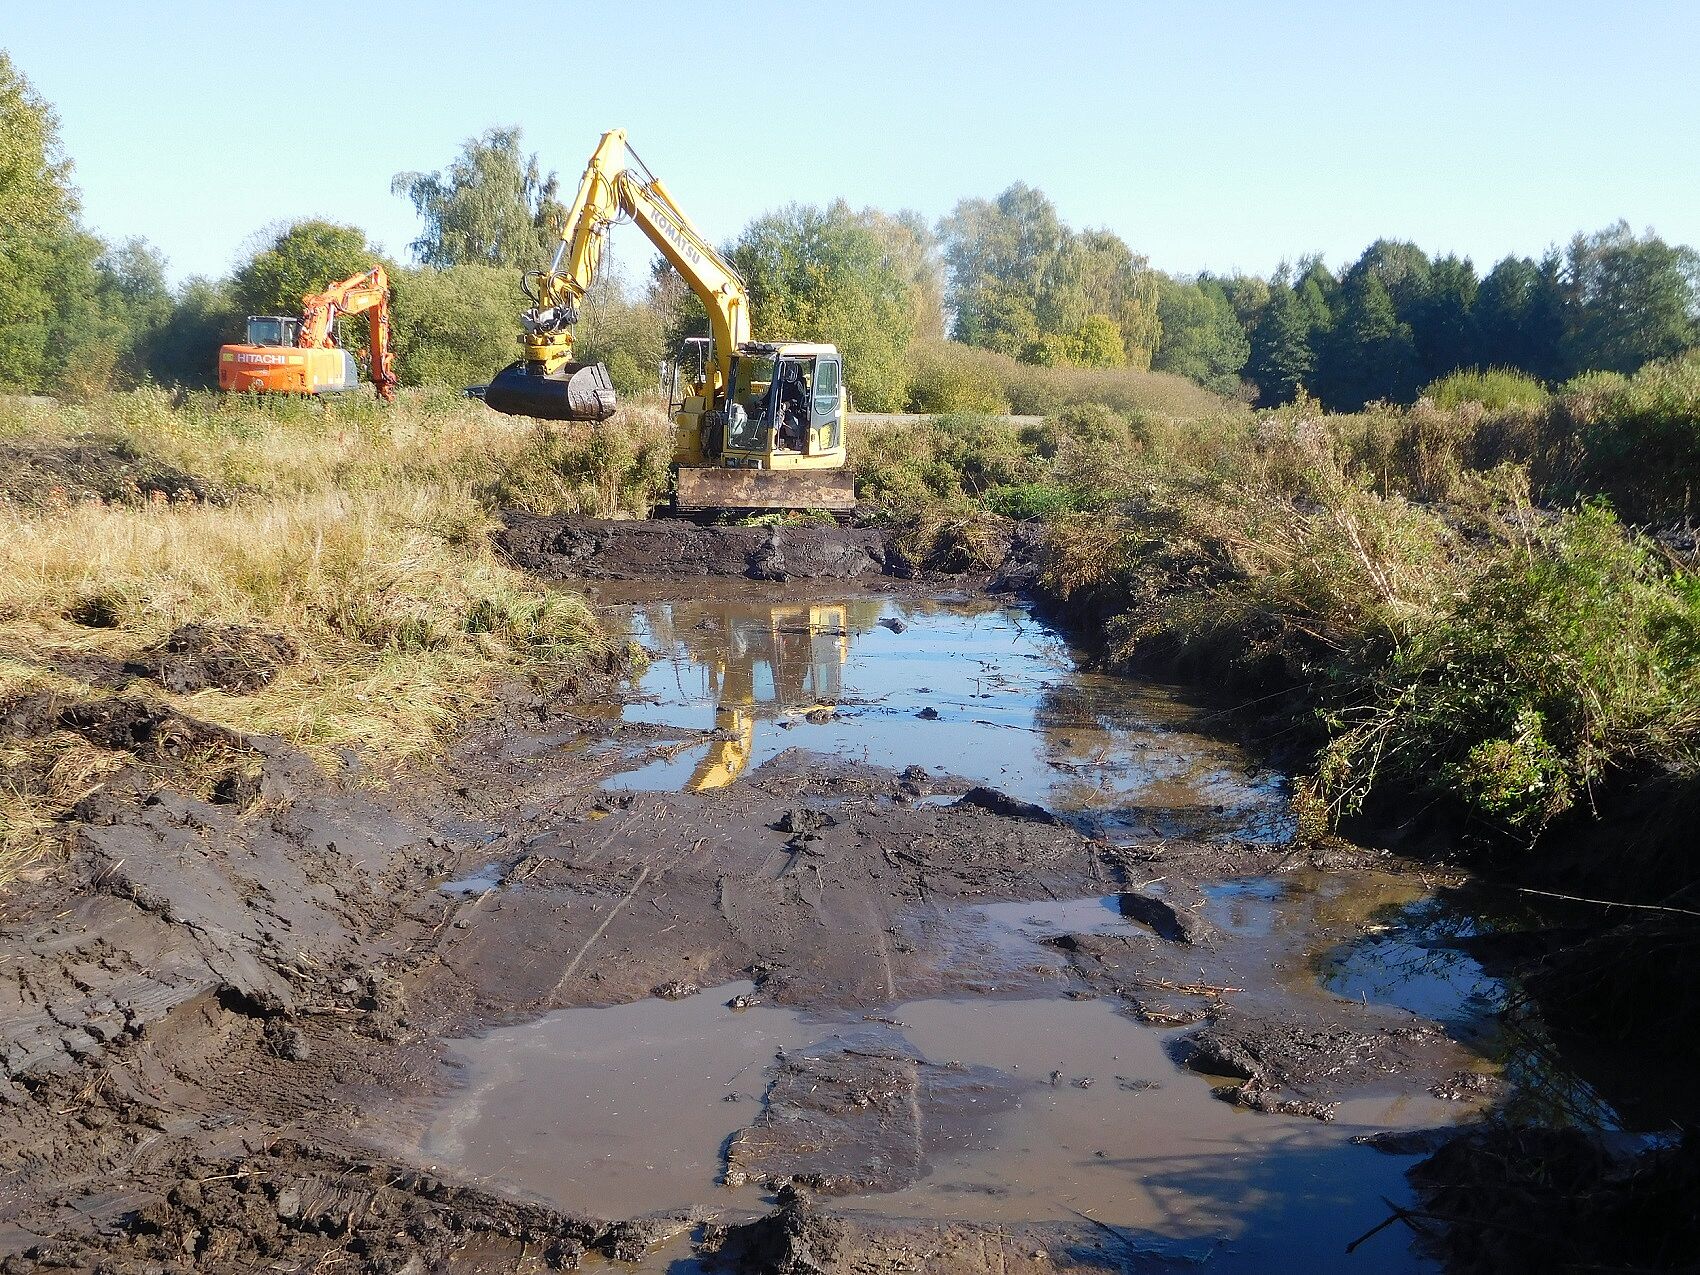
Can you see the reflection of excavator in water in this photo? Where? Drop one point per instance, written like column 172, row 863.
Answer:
column 757, row 425
column 301, row 356
column 804, row 647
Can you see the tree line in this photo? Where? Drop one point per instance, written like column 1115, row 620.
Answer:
column 897, row 293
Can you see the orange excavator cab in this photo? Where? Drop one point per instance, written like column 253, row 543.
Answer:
column 301, row 356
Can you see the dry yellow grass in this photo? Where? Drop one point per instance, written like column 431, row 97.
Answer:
column 360, row 533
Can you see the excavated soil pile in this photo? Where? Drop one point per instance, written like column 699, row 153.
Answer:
column 93, row 468
column 569, row 548
column 225, row 657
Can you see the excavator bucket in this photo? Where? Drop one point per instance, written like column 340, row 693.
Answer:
column 704, row 488
column 578, row 392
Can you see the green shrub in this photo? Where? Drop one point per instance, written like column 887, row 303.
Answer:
column 1639, row 438
column 1564, row 656
column 457, row 326
column 1495, row 388
column 1033, row 501
column 946, row 377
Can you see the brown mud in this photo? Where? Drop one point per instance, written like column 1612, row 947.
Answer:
column 751, row 964
column 572, row 548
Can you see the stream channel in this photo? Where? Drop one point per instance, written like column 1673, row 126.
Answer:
column 1040, row 1100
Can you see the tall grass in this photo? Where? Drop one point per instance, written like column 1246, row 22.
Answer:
column 1418, row 586
column 359, row 532
column 284, row 446
column 948, row 377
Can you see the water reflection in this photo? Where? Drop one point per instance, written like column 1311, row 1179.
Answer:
column 1422, row 955
column 974, row 689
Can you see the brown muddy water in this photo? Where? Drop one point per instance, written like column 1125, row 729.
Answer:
column 974, row 688
column 1038, row 1101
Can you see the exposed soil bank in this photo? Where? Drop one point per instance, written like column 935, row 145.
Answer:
column 93, row 467
column 571, row 548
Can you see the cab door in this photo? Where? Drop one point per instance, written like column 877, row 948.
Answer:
column 826, row 425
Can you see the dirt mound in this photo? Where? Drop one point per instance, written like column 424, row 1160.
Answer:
column 1306, row 1055
column 93, row 467
column 220, row 904
column 121, row 723
column 295, row 1208
column 795, row 1239
column 225, row 657
column 574, row 548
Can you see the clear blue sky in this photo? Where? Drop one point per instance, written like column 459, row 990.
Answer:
column 1209, row 135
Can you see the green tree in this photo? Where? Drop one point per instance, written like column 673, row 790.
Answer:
column 492, row 206
column 1202, row 336
column 1520, row 316
column 1632, row 300
column 998, row 254
column 47, row 275
column 1443, row 320
column 203, row 317
column 821, row 274
column 1096, row 342
column 1282, row 358
column 1022, row 283
column 1095, row 274
column 1401, row 267
column 1246, row 295
column 1370, row 354
column 455, row 326
column 132, row 295
column 630, row 337
column 36, row 194
column 304, row 257
column 911, row 249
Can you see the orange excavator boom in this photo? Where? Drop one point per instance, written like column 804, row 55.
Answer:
column 368, row 293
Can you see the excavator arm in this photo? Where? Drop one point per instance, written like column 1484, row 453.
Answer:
column 367, row 293
column 547, row 382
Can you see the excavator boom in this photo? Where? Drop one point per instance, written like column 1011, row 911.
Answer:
column 757, row 425
column 367, row 293
column 547, row 382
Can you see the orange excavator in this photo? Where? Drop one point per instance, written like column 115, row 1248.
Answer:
column 301, row 356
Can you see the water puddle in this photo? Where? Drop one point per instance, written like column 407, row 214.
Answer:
column 1059, row 1108
column 617, row 1110
column 485, row 879
column 1018, row 1104
column 1248, row 906
column 1418, row 956
column 981, row 690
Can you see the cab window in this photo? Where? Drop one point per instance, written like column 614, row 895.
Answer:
column 270, row 331
column 826, row 389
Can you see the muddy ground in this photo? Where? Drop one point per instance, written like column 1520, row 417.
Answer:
column 93, row 467
column 219, row 1019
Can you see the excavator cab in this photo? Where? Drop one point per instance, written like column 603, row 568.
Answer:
column 272, row 329
column 784, row 417
column 775, row 409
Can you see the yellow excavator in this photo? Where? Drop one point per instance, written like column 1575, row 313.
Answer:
column 757, row 424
